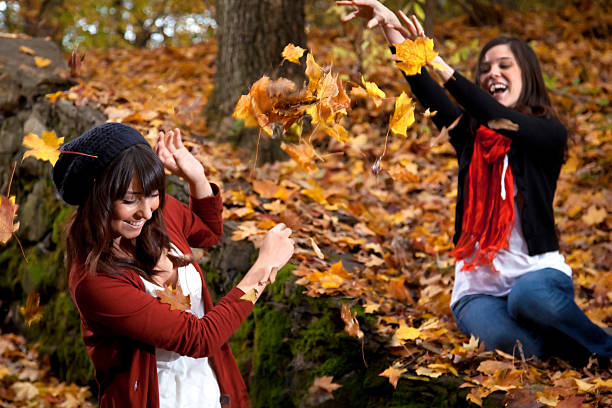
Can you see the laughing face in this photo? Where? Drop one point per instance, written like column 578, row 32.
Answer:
column 132, row 211
column 500, row 75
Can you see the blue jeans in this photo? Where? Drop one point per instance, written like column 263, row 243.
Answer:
column 540, row 312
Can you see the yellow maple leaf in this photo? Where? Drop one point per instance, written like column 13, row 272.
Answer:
column 251, row 296
column 41, row 62
column 393, row 373
column 244, row 111
column 403, row 116
column 43, row 148
column 293, row 53
column 407, row 333
column 313, row 72
column 374, row 92
column 415, row 54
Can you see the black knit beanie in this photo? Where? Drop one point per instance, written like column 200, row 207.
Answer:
column 74, row 174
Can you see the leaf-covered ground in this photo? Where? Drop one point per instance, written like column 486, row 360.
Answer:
column 391, row 229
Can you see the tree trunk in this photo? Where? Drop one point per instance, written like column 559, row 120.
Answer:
column 250, row 38
column 430, row 15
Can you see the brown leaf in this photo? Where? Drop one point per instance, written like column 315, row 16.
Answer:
column 443, row 136
column 174, row 298
column 27, row 50
column 502, row 123
column 8, row 212
column 75, row 62
column 350, row 321
column 32, row 312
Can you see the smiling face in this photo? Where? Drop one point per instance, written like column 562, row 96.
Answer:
column 132, row 211
column 501, row 76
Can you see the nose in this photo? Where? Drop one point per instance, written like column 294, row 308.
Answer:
column 146, row 208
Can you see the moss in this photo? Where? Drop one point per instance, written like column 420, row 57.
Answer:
column 58, row 335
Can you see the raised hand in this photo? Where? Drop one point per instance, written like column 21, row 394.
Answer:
column 275, row 252
column 377, row 15
column 180, row 162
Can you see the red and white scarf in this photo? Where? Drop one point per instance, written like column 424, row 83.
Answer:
column 488, row 216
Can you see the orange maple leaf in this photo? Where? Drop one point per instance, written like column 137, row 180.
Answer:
column 393, row 373
column 313, row 72
column 174, row 298
column 43, row 148
column 303, row 154
column 41, row 62
column 293, row 53
column 415, row 54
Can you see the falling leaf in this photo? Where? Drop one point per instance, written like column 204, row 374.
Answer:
column 303, row 154
column 502, row 123
column 75, row 63
column 351, row 325
column 43, row 148
column 244, row 111
column 293, row 53
column 594, row 215
column 316, row 249
column 403, row 116
column 41, row 62
column 313, row 72
column 326, row 383
column 415, row 54
column 27, row 50
column 32, row 312
column 443, row 136
column 393, row 373
column 251, row 296
column 374, row 91
column 8, row 212
column 54, row 96
column 428, row 114
column 174, row 298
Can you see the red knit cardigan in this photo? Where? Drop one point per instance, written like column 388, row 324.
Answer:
column 122, row 324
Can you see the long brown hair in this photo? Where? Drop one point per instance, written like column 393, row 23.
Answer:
column 534, row 99
column 89, row 237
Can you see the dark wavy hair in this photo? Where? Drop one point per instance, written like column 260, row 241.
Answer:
column 89, row 237
column 534, row 99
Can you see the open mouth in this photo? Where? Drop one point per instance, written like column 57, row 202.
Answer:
column 497, row 89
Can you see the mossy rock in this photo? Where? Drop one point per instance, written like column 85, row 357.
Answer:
column 290, row 339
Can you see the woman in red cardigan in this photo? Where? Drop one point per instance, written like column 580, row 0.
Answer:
column 126, row 242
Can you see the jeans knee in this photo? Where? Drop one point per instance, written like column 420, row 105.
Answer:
column 541, row 296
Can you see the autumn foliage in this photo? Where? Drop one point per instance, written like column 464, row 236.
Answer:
column 370, row 190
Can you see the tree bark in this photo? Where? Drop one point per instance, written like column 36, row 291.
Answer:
column 250, row 38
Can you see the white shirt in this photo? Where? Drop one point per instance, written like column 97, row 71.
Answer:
column 184, row 381
column 511, row 264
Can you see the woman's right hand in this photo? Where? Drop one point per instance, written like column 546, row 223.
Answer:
column 275, row 252
column 377, row 15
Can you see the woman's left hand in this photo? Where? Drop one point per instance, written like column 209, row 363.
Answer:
column 180, row 162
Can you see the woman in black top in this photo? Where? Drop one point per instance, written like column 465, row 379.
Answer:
column 512, row 286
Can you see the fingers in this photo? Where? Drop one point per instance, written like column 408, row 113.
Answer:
column 418, row 26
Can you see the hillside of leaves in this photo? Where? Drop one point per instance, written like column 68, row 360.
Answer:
column 378, row 232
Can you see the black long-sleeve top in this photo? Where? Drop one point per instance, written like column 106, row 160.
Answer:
column 535, row 157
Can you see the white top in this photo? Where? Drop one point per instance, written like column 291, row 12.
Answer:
column 511, row 264
column 185, row 382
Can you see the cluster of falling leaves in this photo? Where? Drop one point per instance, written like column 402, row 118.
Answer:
column 25, row 380
column 383, row 240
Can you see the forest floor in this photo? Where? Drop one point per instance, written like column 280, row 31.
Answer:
column 388, row 218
